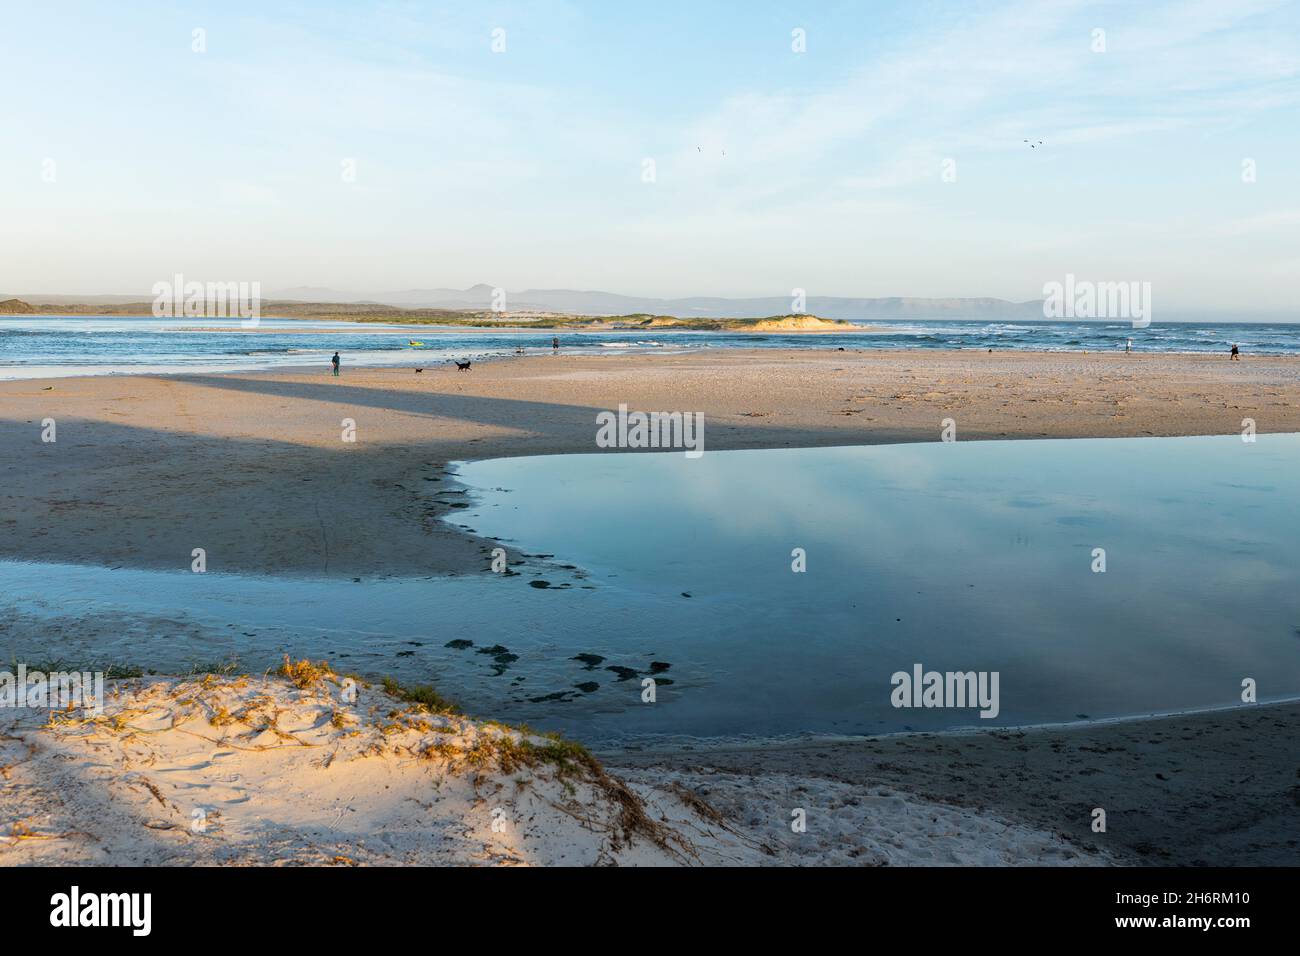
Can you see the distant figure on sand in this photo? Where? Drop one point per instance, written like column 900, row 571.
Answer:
column 335, row 362
column 1128, row 346
column 555, row 343
column 1235, row 355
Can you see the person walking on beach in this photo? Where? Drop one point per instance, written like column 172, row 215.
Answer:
column 1128, row 346
column 1235, row 355
column 335, row 362
column 555, row 344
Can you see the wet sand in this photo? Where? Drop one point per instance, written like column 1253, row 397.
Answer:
column 1210, row 789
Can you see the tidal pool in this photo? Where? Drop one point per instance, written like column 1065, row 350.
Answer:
column 970, row 556
column 976, row 556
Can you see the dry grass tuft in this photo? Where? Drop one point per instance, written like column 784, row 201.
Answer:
column 422, row 696
column 699, row 805
column 305, row 674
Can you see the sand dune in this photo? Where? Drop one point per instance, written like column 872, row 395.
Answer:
column 269, row 770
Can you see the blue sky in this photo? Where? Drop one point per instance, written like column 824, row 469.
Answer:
column 821, row 170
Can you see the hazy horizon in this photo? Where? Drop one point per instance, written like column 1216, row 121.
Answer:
column 846, row 152
column 828, row 307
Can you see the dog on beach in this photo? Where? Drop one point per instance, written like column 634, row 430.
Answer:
column 463, row 366
column 418, row 371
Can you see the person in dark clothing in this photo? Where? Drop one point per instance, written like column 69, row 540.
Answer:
column 1235, row 355
column 335, row 362
column 555, row 343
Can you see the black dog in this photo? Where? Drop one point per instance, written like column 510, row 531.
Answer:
column 463, row 366
column 418, row 371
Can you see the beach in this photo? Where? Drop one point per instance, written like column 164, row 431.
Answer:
column 254, row 467
column 257, row 469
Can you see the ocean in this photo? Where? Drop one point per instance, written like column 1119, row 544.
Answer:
column 49, row 346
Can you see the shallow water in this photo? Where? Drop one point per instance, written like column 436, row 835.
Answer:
column 966, row 556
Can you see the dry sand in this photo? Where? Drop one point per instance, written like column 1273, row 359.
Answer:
column 256, row 770
column 252, row 467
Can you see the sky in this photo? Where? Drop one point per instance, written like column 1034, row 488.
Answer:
column 658, row 149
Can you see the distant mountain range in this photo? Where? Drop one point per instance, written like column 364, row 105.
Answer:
column 479, row 298
column 581, row 302
column 584, row 302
